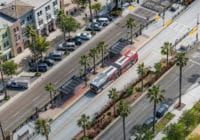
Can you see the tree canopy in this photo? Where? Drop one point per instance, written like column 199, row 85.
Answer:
column 9, row 68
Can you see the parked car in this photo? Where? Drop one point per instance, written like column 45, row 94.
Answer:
column 42, row 67
column 56, row 55
column 94, row 26
column 125, row 5
column 49, row 62
column 17, row 84
column 66, row 46
column 174, row 7
column 77, row 40
column 164, row 107
column 149, row 122
column 84, row 36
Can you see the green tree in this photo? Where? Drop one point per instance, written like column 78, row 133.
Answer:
column 124, row 111
column 81, row 3
column 175, row 132
column 31, row 33
column 130, row 25
column 41, row 45
column 167, row 49
column 84, row 123
column 194, row 137
column 50, row 88
column 43, row 127
column 141, row 132
column 84, row 62
column 2, row 77
column 61, row 20
column 94, row 54
column 96, row 7
column 155, row 95
column 102, row 48
column 142, row 71
column 114, row 96
column 158, row 67
column 9, row 68
column 71, row 25
column 189, row 118
column 181, row 61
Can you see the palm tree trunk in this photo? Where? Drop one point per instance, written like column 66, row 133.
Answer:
column 84, row 132
column 131, row 34
column 94, row 66
column 116, row 2
column 114, row 111
column 124, row 131
column 3, row 82
column 167, row 58
column 85, row 75
column 69, row 35
column 142, row 81
column 180, row 86
column 90, row 8
column 102, row 58
column 154, row 116
column 47, row 137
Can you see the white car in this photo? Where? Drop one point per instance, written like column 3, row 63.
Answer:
column 84, row 36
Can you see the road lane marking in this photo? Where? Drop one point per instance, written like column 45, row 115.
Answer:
column 15, row 114
column 167, row 23
column 192, row 32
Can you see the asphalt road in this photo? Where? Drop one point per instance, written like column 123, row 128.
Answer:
column 143, row 109
column 22, row 107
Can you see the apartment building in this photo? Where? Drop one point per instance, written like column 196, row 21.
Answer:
column 18, row 14
column 45, row 12
column 5, row 40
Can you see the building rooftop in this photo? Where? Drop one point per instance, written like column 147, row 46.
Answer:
column 5, row 20
column 16, row 9
column 36, row 3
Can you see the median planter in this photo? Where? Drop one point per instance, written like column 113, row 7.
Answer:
column 131, row 94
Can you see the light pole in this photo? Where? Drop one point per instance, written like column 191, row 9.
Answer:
column 197, row 34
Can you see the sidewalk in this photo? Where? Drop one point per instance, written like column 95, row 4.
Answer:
column 190, row 98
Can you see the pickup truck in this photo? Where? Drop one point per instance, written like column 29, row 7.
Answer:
column 18, row 84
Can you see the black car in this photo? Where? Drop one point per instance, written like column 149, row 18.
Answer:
column 42, row 67
column 77, row 40
column 49, row 62
column 149, row 122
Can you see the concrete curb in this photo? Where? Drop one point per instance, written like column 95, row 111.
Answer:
column 112, row 123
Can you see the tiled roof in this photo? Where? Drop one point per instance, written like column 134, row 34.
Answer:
column 16, row 9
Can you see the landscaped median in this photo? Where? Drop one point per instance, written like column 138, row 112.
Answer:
column 133, row 92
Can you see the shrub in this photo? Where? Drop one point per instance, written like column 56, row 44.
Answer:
column 93, row 33
column 129, row 92
column 138, row 89
column 109, row 114
column 147, row 84
column 38, row 74
column 116, row 12
column 7, row 97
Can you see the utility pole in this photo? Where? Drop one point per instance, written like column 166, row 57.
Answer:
column 2, row 132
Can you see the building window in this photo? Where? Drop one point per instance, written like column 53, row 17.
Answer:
column 40, row 22
column 55, row 3
column 5, row 35
column 55, row 11
column 16, row 29
column 39, row 13
column 17, row 37
column 47, row 8
column 6, row 44
column 29, row 18
column 48, row 16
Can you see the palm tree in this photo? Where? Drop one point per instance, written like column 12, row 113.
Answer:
column 155, row 95
column 102, row 48
column 43, row 127
column 93, row 54
column 84, row 61
column 50, row 88
column 130, row 24
column 124, row 111
column 167, row 50
column 114, row 96
column 141, row 132
column 142, row 71
column 158, row 67
column 181, row 61
column 96, row 7
column 84, row 123
column 41, row 45
column 90, row 8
